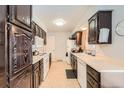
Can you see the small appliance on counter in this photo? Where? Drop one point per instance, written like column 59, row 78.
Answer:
column 35, row 53
column 77, row 50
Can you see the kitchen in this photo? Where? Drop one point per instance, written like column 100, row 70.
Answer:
column 79, row 46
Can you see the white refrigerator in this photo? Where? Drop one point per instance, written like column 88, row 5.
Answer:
column 70, row 44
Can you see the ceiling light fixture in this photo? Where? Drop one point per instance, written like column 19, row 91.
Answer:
column 83, row 29
column 59, row 22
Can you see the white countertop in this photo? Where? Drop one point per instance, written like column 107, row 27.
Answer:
column 39, row 57
column 102, row 63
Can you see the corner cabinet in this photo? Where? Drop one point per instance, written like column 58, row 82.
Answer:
column 100, row 20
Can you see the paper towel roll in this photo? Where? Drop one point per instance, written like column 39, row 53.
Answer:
column 104, row 34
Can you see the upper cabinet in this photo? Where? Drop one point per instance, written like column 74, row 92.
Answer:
column 100, row 26
column 38, row 31
column 20, row 15
column 78, row 37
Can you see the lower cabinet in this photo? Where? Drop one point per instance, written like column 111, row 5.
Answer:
column 23, row 79
column 87, row 76
column 36, row 75
column 41, row 70
column 81, row 73
column 93, row 78
column 74, row 64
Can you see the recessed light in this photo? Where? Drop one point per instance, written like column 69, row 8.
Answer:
column 59, row 22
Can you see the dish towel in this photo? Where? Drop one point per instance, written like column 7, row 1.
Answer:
column 104, row 34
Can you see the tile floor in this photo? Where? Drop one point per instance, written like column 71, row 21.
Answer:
column 57, row 77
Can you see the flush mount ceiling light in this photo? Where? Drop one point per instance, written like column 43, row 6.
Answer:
column 59, row 22
column 83, row 28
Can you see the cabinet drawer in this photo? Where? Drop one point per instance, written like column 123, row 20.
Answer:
column 93, row 73
column 92, row 82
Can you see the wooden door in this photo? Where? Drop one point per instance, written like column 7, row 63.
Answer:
column 36, row 77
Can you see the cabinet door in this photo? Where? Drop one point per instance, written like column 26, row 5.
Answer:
column 21, row 15
column 41, row 70
column 79, row 38
column 44, row 37
column 36, row 78
column 2, row 46
column 82, row 74
column 75, row 67
column 33, row 26
column 23, row 80
column 92, row 38
column 20, row 49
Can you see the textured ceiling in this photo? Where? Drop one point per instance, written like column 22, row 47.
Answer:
column 70, row 13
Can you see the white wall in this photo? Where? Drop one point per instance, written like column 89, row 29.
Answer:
column 36, row 17
column 60, row 43
column 116, row 48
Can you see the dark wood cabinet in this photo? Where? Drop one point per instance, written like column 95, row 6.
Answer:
column 50, row 59
column 41, row 70
column 78, row 37
column 15, row 46
column 44, row 37
column 3, row 13
column 36, row 75
column 74, row 64
column 33, row 27
column 93, row 30
column 20, row 49
column 23, row 79
column 102, row 19
column 20, row 15
column 38, row 31
column 93, row 78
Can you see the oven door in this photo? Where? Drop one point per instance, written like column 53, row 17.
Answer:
column 20, row 49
